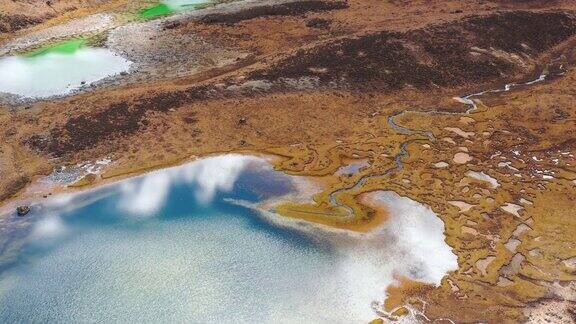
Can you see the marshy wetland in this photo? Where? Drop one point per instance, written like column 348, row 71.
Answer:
column 288, row 161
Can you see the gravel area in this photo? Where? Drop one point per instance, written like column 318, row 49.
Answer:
column 88, row 24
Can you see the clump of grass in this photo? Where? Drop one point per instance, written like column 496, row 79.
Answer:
column 97, row 40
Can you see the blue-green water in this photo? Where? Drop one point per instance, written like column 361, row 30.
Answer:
column 168, row 247
column 176, row 245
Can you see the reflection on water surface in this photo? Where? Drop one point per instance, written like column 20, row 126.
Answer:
column 174, row 246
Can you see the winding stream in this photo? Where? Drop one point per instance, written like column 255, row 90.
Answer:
column 467, row 99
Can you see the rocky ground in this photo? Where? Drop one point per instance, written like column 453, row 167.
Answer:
column 323, row 83
column 16, row 15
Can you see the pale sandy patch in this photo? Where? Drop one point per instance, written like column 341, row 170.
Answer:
column 441, row 165
column 520, row 229
column 468, row 230
column 513, row 267
column 507, row 164
column 449, row 140
column 464, row 206
column 535, row 253
column 481, row 176
column 525, row 201
column 462, row 158
column 482, row 264
column 504, row 282
column 512, row 244
column 570, row 263
column 459, row 132
column 512, row 208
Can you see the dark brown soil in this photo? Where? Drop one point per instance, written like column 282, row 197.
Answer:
column 10, row 23
column 318, row 23
column 434, row 56
column 287, row 9
column 13, row 187
column 118, row 119
column 87, row 130
column 511, row 30
column 425, row 58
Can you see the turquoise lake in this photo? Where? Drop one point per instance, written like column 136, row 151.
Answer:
column 175, row 246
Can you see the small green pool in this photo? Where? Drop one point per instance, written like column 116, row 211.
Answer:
column 66, row 47
column 167, row 7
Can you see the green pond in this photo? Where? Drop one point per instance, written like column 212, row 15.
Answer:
column 168, row 7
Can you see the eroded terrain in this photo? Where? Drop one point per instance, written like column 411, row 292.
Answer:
column 324, row 85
